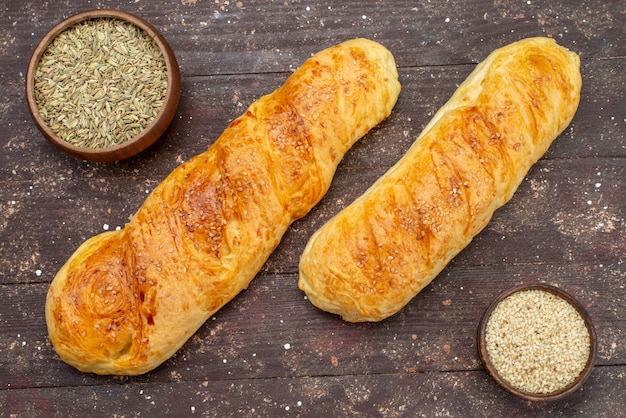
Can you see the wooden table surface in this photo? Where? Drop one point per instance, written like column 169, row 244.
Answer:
column 269, row 352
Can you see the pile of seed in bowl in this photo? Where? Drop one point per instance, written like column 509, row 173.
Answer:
column 537, row 341
column 100, row 82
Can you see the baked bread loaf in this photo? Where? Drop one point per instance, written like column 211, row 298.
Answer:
column 367, row 262
column 127, row 300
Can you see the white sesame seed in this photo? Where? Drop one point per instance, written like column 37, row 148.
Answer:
column 537, row 341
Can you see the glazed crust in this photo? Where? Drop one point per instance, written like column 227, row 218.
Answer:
column 367, row 262
column 127, row 300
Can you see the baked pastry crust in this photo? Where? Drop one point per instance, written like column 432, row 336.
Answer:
column 127, row 300
column 367, row 262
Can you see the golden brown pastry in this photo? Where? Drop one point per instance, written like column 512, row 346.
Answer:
column 371, row 259
column 126, row 300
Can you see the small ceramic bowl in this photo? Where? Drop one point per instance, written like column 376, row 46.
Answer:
column 496, row 375
column 145, row 137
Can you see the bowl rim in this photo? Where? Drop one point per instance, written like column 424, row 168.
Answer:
column 559, row 394
column 151, row 132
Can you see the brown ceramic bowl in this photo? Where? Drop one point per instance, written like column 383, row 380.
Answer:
column 150, row 133
column 560, row 393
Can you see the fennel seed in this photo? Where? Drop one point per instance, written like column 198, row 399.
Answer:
column 100, row 82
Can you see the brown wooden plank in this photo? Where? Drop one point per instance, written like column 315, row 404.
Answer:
column 270, row 331
column 209, row 103
column 399, row 394
column 566, row 211
column 261, row 36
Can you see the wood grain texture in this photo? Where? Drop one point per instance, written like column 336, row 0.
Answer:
column 565, row 225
